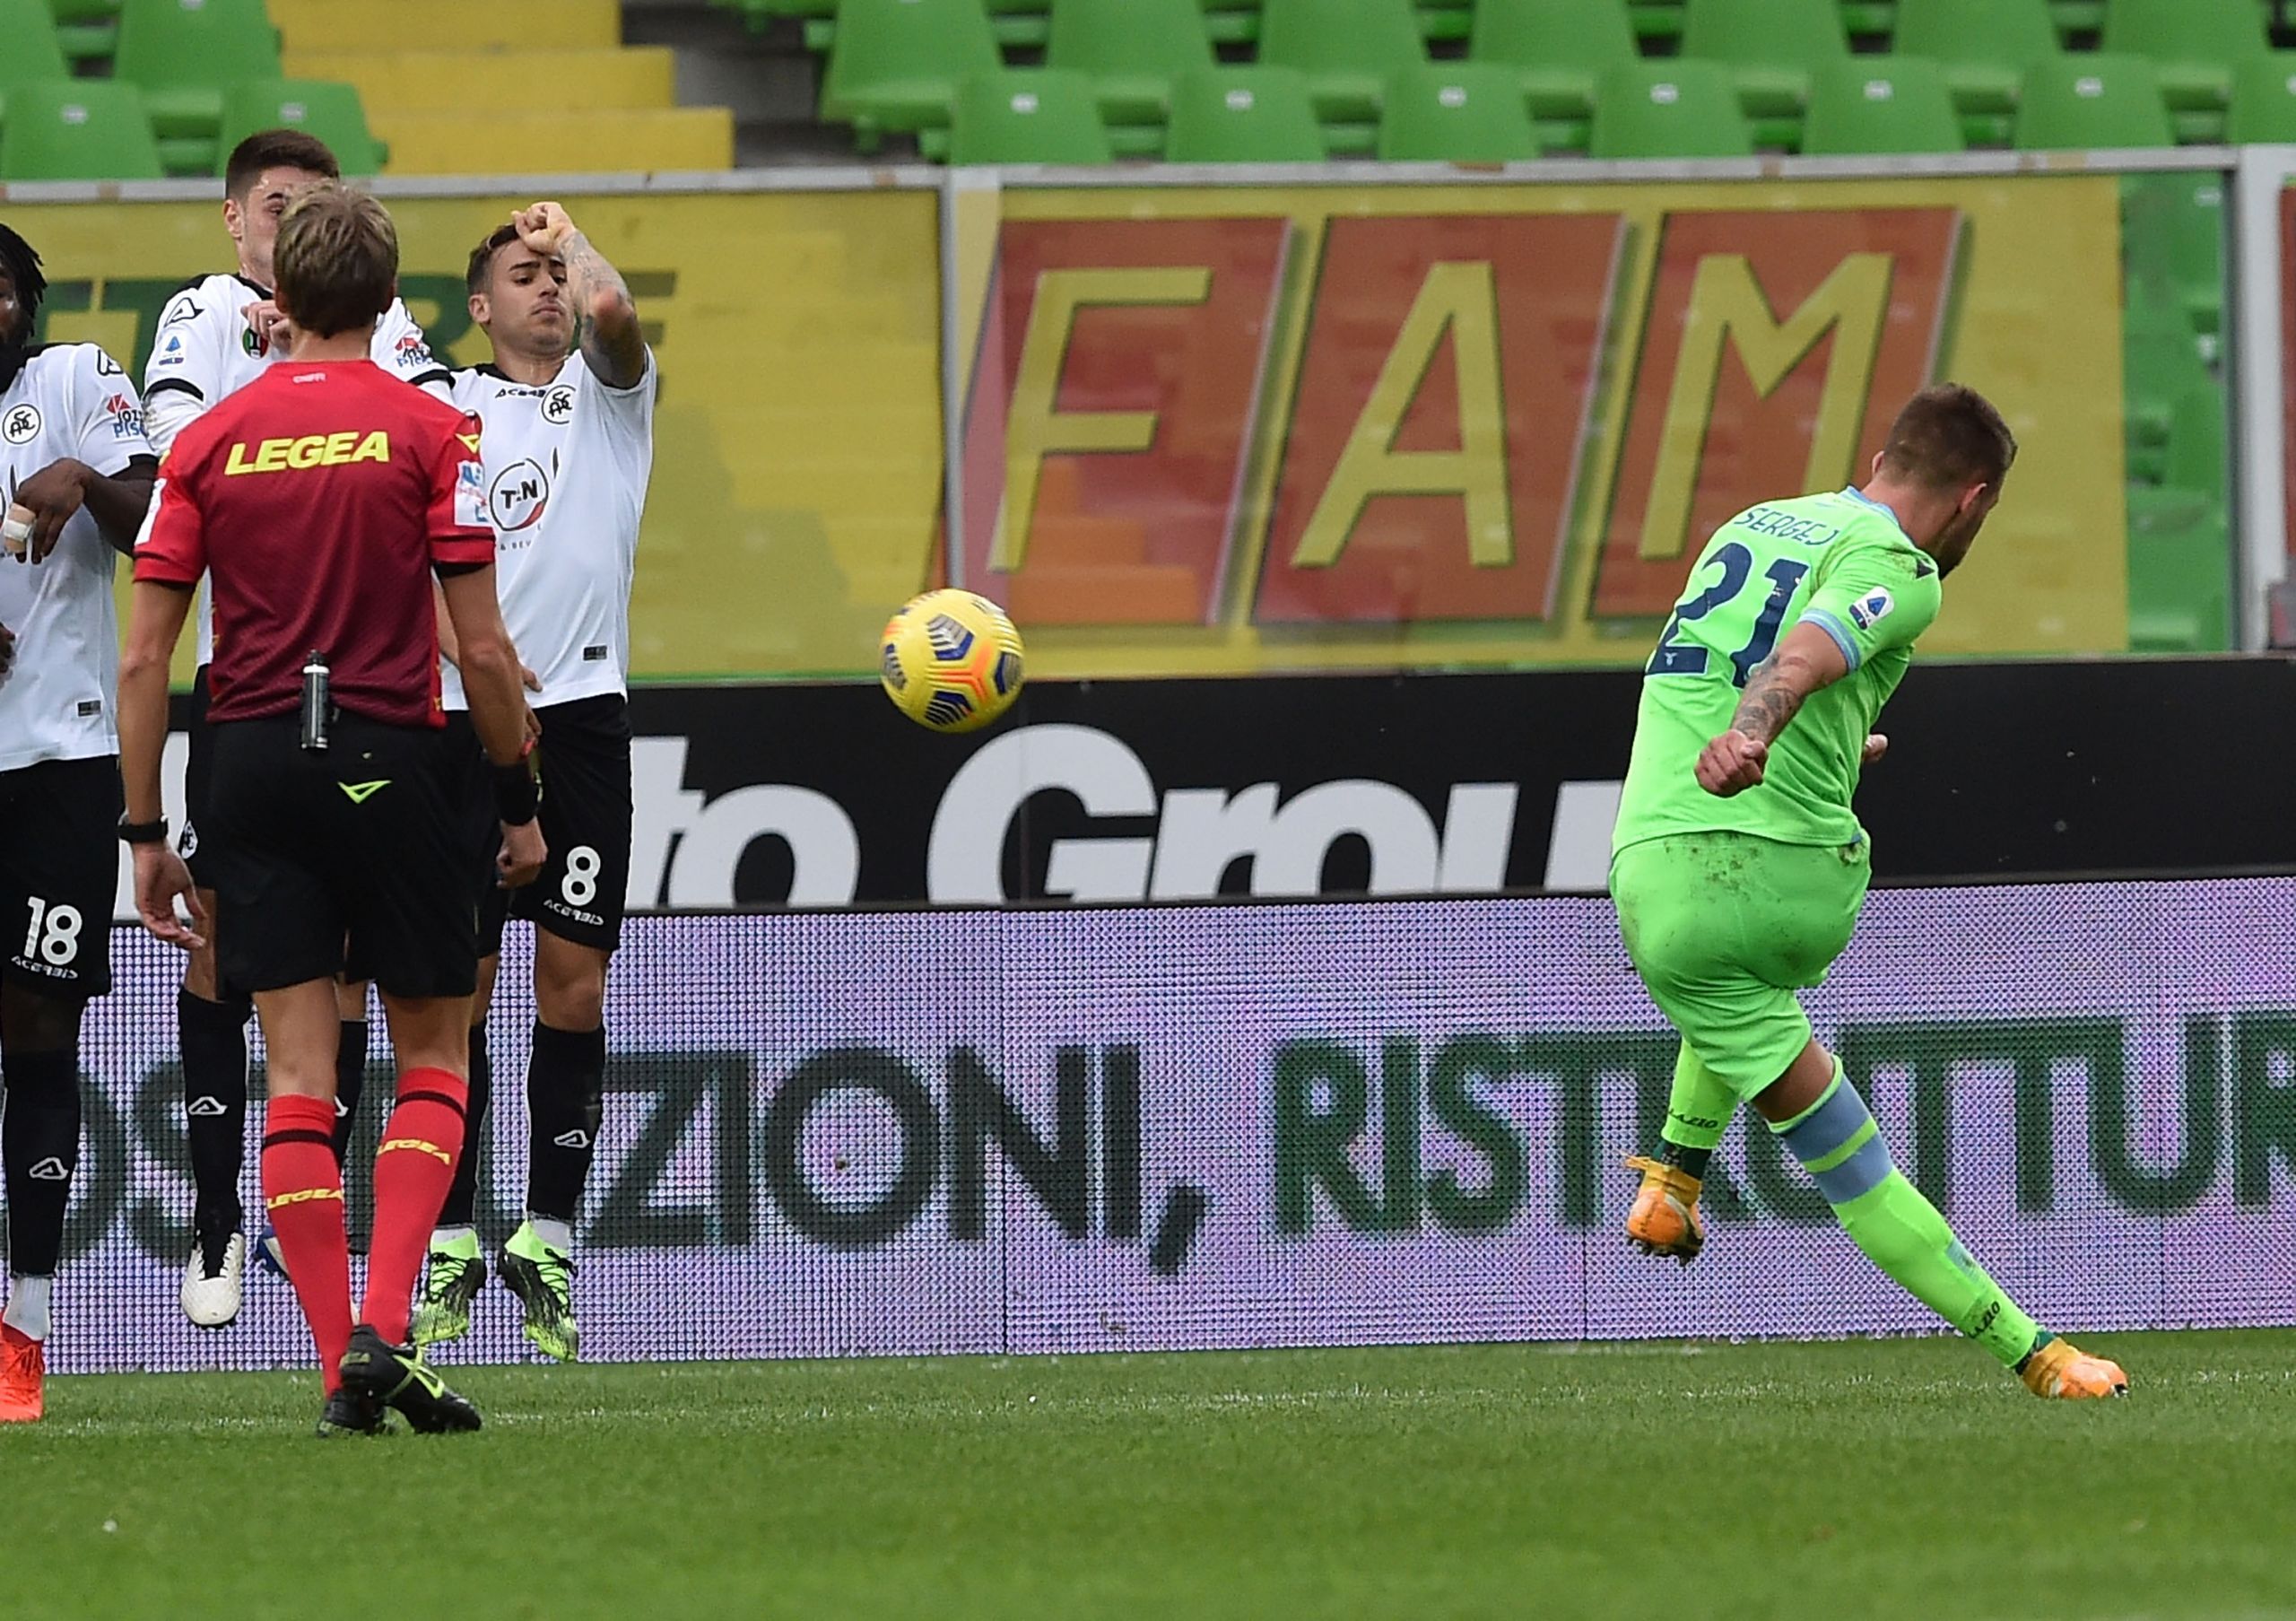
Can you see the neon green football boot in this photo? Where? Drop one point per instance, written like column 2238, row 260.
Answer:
column 451, row 1280
column 543, row 1278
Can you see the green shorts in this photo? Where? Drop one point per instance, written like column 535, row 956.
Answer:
column 1723, row 927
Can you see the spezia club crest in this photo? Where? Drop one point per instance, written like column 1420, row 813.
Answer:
column 1872, row 608
column 557, row 405
column 19, row 425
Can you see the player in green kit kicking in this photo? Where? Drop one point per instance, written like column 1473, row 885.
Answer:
column 1738, row 869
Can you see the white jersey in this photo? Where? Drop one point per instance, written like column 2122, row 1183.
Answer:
column 205, row 350
column 567, row 464
column 70, row 400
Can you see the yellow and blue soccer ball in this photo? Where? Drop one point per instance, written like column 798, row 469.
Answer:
column 950, row 660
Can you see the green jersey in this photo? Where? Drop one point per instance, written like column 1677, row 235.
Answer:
column 1837, row 561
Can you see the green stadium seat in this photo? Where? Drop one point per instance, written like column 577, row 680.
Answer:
column 897, row 64
column 88, row 31
column 1042, row 115
column 1347, row 49
column 1230, row 22
column 2172, row 243
column 1669, row 109
column 1243, row 115
column 80, row 129
column 1131, row 50
column 2093, row 101
column 1771, row 47
column 33, row 55
column 181, row 54
column 1983, row 48
column 1558, row 49
column 317, row 107
column 1660, row 20
column 2179, row 536
column 1446, row 19
column 1880, row 105
column 2264, row 101
column 1455, row 112
column 2194, row 46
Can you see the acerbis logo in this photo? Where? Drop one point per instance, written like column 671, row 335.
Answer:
column 49, row 1170
column 209, row 1108
column 575, row 1138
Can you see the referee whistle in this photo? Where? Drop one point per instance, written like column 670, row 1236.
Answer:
column 315, row 705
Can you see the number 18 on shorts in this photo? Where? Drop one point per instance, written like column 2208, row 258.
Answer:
column 59, row 871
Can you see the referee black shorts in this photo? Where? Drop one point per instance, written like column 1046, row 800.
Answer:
column 354, row 860
column 584, row 763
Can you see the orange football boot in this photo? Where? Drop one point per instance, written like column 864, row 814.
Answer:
column 1664, row 1220
column 22, row 1361
column 2059, row 1372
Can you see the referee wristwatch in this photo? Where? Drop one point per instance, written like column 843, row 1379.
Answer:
column 154, row 832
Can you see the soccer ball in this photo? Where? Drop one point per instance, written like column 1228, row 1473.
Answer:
column 950, row 660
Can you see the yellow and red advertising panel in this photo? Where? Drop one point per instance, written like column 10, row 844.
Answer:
column 1255, row 428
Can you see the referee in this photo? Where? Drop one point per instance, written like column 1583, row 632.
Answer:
column 319, row 501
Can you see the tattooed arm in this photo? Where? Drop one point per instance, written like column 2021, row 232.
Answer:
column 1806, row 661
column 612, row 341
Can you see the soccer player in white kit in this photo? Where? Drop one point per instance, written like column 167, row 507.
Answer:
column 215, row 337
column 567, row 407
column 72, row 454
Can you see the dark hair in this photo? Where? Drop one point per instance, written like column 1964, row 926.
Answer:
column 1949, row 437
column 336, row 261
column 275, row 149
column 23, row 265
column 482, row 258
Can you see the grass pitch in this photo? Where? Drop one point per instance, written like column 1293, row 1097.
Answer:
column 1862, row 1479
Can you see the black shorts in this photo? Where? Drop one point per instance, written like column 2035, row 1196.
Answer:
column 59, row 874
column 352, row 860
column 584, row 761
column 198, row 772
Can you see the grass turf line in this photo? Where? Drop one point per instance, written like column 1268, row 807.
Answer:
column 1868, row 1478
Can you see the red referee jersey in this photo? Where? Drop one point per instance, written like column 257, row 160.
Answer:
column 317, row 500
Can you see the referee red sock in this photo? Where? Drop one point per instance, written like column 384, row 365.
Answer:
column 413, row 1166
column 302, row 1194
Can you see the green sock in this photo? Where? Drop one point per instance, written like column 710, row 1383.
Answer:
column 1698, row 1106
column 1899, row 1230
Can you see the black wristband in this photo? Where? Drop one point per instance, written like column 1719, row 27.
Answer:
column 516, row 794
column 143, row 832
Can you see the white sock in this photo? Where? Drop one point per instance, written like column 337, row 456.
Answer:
column 558, row 1234
column 441, row 1237
column 27, row 1312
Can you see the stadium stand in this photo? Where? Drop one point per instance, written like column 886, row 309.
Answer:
column 318, row 107
column 65, row 129
column 1133, row 50
column 1985, row 48
column 1771, row 47
column 1669, row 109
column 1043, row 115
column 182, row 57
column 1557, row 50
column 2194, row 46
column 1243, row 115
column 1456, row 112
column 1875, row 107
column 1348, row 49
column 2092, row 102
